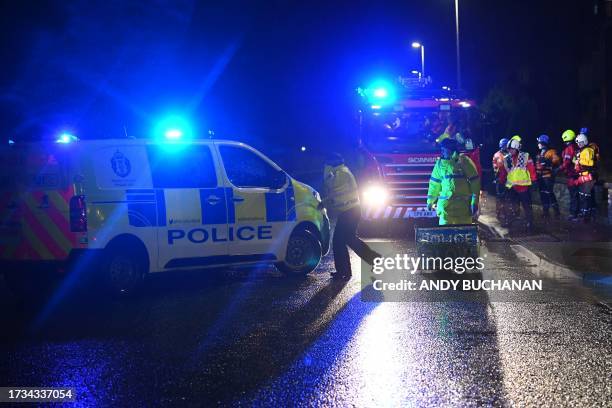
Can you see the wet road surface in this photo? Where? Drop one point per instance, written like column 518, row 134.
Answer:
column 252, row 336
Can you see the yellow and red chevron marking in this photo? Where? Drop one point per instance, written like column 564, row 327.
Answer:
column 44, row 233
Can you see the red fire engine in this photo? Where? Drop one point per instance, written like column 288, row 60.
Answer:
column 399, row 124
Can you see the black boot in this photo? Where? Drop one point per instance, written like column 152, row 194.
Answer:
column 372, row 255
column 341, row 276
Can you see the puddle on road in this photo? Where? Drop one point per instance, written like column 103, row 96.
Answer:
column 501, row 264
column 582, row 286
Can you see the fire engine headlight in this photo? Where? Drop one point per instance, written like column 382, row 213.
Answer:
column 375, row 195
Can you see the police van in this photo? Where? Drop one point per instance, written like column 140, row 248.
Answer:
column 131, row 207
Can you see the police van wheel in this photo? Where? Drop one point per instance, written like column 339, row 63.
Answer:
column 124, row 271
column 303, row 254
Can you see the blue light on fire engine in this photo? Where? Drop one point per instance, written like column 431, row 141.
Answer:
column 66, row 138
column 173, row 134
column 380, row 93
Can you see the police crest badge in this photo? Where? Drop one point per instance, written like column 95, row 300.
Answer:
column 121, row 165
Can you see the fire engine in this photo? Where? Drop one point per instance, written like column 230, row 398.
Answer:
column 400, row 123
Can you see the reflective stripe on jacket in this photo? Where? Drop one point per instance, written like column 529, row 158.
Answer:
column 518, row 173
column 454, row 179
column 340, row 188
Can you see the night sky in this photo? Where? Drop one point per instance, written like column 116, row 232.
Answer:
column 280, row 72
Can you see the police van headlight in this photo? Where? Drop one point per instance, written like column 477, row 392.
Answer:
column 375, row 195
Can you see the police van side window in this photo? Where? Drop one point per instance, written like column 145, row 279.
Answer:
column 188, row 167
column 246, row 169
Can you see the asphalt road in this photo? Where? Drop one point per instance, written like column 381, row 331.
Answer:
column 254, row 337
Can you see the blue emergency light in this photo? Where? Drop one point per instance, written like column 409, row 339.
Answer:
column 66, row 138
column 380, row 93
column 173, row 128
column 173, row 134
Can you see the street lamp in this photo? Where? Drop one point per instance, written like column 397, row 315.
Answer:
column 416, row 44
column 457, row 41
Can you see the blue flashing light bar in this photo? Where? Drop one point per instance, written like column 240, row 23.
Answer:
column 66, row 138
column 173, row 128
column 380, row 93
column 173, row 134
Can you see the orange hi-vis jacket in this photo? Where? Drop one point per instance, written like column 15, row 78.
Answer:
column 546, row 161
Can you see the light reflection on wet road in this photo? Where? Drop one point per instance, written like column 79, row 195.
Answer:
column 254, row 337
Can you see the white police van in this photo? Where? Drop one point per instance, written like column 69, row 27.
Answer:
column 136, row 206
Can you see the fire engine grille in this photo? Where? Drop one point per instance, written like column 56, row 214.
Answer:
column 408, row 182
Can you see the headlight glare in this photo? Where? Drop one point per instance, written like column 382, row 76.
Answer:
column 375, row 195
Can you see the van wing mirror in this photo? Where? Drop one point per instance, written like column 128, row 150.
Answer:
column 280, row 178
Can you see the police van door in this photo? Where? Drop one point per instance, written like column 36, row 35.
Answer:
column 259, row 196
column 191, row 206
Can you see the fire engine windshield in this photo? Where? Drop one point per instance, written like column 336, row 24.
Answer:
column 412, row 130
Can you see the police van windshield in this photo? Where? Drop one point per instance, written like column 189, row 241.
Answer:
column 246, row 169
column 412, row 130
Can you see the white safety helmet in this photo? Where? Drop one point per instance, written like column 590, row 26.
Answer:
column 582, row 140
column 514, row 144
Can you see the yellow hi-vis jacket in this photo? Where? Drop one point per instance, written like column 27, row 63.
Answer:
column 585, row 165
column 340, row 188
column 518, row 174
column 455, row 185
column 586, row 157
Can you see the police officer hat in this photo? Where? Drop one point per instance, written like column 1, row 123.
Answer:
column 450, row 144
